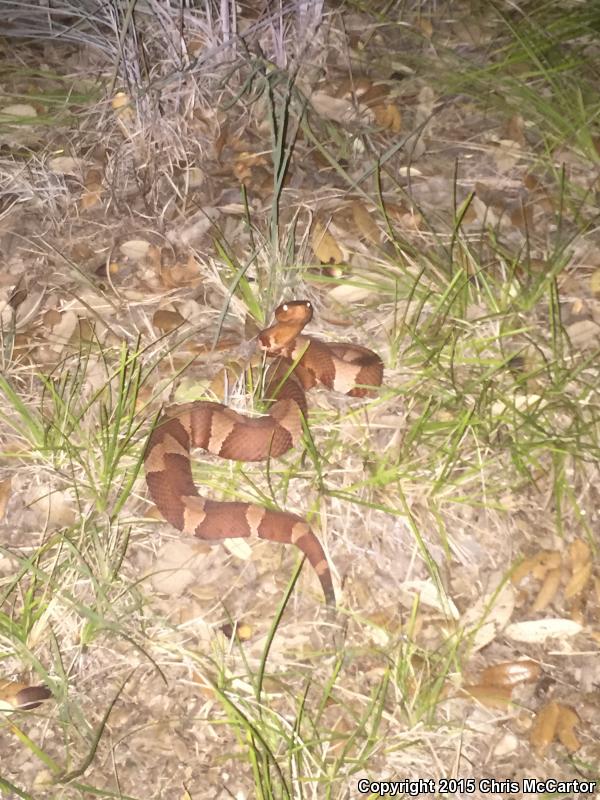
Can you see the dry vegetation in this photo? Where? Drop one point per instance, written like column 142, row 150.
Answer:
column 427, row 175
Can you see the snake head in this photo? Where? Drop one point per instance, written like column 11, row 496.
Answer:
column 290, row 318
column 299, row 312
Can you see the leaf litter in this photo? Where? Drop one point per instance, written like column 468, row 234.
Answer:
column 155, row 224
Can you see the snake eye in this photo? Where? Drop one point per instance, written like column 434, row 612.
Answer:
column 284, row 307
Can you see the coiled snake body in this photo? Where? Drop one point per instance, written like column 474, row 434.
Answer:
column 301, row 362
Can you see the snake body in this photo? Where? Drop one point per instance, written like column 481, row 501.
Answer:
column 300, row 363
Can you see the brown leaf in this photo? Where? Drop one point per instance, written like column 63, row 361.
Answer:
column 364, row 222
column 325, row 246
column 544, row 727
column 166, row 321
column 51, row 318
column 579, row 553
column 154, row 258
column 584, row 334
column 135, row 249
column 388, row 116
column 245, row 632
column 92, row 189
column 522, row 217
column 5, row 492
column 375, row 95
column 186, row 273
column 338, row 109
column 355, row 88
column 546, row 560
column 425, row 26
column 22, row 696
column 537, row 565
column 578, row 580
column 595, row 283
column 567, row 720
column 121, row 104
column 17, row 110
column 511, row 673
column 514, row 129
column 548, row 591
column 246, row 163
column 206, row 689
column 532, row 182
column 490, row 696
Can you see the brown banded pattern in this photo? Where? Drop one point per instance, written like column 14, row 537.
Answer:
column 219, row 430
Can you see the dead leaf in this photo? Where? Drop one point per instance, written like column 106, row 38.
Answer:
column 347, row 293
column 567, row 720
column 246, row 164
column 120, row 100
column 511, row 673
column 490, row 696
column 51, row 318
column 425, row 26
column 544, row 727
column 537, row 565
column 537, row 631
column 388, row 117
column 166, row 321
column 364, row 222
column 532, row 182
column 514, row 129
column 92, row 189
column 17, row 110
column 584, row 334
column 218, row 383
column 205, row 688
column 121, row 104
column 335, row 108
column 84, row 331
column 245, row 632
column 579, row 553
column 135, row 249
column 65, row 165
column 325, row 246
column 21, row 696
column 182, row 273
column 375, row 95
column 506, row 155
column 176, row 567
column 595, row 283
column 429, row 595
column 354, row 88
column 522, row 217
column 238, row 548
column 578, row 580
column 54, row 508
column 548, row 591
column 5, row 492
column 489, row 615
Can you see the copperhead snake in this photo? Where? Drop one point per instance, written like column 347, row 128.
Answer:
column 300, row 363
